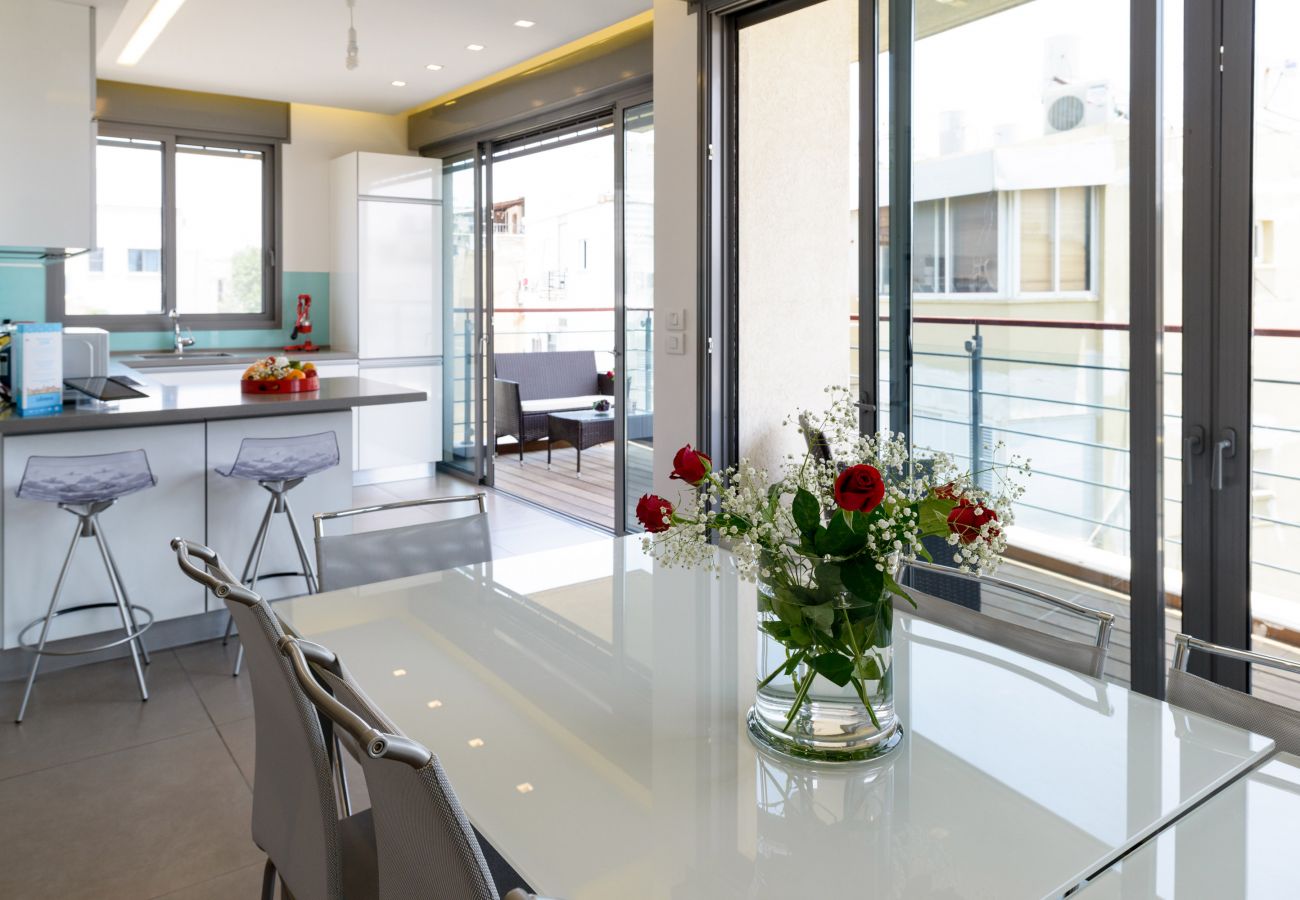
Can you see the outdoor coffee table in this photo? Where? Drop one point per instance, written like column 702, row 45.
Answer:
column 582, row 428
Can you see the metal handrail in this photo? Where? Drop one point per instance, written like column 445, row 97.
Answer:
column 1184, row 644
column 1105, row 621
column 319, row 519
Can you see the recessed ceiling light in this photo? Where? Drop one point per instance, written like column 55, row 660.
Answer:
column 398, row 673
column 524, row 23
column 433, row 704
column 476, row 743
column 147, row 31
column 473, row 46
column 434, row 67
column 399, row 84
column 524, row 788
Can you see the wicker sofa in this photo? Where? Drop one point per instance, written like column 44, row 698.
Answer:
column 527, row 387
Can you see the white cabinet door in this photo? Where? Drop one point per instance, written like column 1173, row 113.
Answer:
column 138, row 528
column 402, row 434
column 47, row 132
column 236, row 506
column 407, row 177
column 400, row 273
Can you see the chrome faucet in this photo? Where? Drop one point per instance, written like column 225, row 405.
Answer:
column 179, row 343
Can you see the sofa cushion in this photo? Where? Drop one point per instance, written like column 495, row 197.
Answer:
column 555, row 373
column 562, row 404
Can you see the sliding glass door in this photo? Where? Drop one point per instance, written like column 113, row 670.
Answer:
column 548, row 314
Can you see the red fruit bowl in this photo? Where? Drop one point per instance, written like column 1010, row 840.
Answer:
column 281, row 385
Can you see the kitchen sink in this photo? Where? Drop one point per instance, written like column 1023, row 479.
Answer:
column 188, row 354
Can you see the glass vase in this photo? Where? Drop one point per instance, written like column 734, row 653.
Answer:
column 831, row 723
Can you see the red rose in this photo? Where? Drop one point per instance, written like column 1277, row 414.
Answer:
column 859, row 488
column 691, row 466
column 654, row 512
column 966, row 523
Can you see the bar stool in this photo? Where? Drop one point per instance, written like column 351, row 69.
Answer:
column 279, row 465
column 86, row 486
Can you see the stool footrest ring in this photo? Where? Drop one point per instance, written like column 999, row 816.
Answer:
column 31, row 646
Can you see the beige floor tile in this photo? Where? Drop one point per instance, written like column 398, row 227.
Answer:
column 208, row 665
column 135, row 823
column 242, row 883
column 239, row 740
column 89, row 710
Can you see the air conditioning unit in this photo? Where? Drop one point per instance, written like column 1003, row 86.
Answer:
column 1077, row 105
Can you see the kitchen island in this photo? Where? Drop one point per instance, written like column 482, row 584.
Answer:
column 188, row 431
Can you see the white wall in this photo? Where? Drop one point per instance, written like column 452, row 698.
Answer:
column 317, row 135
column 676, row 192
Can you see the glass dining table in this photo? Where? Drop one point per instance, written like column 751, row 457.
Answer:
column 588, row 706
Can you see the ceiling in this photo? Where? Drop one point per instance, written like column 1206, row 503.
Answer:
column 294, row 49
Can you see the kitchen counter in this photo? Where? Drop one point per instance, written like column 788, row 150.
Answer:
column 180, row 404
column 238, row 356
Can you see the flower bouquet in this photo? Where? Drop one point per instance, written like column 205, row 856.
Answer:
column 826, row 542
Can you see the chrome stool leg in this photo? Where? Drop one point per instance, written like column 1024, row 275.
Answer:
column 49, row 617
column 251, row 566
column 127, row 616
column 117, row 576
column 88, row 527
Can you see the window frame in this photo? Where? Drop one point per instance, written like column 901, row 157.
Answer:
column 271, row 314
column 1093, row 246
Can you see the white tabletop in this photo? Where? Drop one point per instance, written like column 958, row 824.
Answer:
column 588, row 707
column 1237, row 844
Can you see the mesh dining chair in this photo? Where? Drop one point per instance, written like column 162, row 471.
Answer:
column 1085, row 658
column 1191, row 692
column 347, row 560
column 295, row 809
column 425, row 844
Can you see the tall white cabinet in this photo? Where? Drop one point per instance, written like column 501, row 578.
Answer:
column 385, row 300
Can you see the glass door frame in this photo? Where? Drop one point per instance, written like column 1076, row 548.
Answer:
column 718, row 25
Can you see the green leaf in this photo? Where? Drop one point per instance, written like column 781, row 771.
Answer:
column 778, row 630
column 868, row 669
column 833, row 667
column 789, row 613
column 828, row 579
column 839, row 538
column 807, row 512
column 893, row 587
column 822, row 616
column 932, row 516
column 801, row 637
column 862, row 579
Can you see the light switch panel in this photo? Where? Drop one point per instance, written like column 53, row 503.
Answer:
column 676, row 343
column 676, row 320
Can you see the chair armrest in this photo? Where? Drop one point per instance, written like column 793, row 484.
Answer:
column 605, row 384
column 521, row 894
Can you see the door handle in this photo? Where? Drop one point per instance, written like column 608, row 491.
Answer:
column 1224, row 447
column 1193, row 445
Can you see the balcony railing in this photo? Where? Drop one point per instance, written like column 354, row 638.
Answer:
column 1076, row 435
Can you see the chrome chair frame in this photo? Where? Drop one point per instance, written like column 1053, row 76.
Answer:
column 319, row 519
column 372, row 741
column 222, row 582
column 1105, row 621
column 1184, row 644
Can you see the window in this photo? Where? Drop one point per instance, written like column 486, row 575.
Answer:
column 1055, row 240
column 974, row 243
column 207, row 250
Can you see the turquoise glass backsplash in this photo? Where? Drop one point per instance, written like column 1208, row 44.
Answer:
column 22, row 296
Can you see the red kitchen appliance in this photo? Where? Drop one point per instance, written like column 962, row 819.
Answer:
column 302, row 326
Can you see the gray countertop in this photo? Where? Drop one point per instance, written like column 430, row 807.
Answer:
column 168, row 405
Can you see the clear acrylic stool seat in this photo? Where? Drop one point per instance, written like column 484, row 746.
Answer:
column 85, row 486
column 279, row 465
